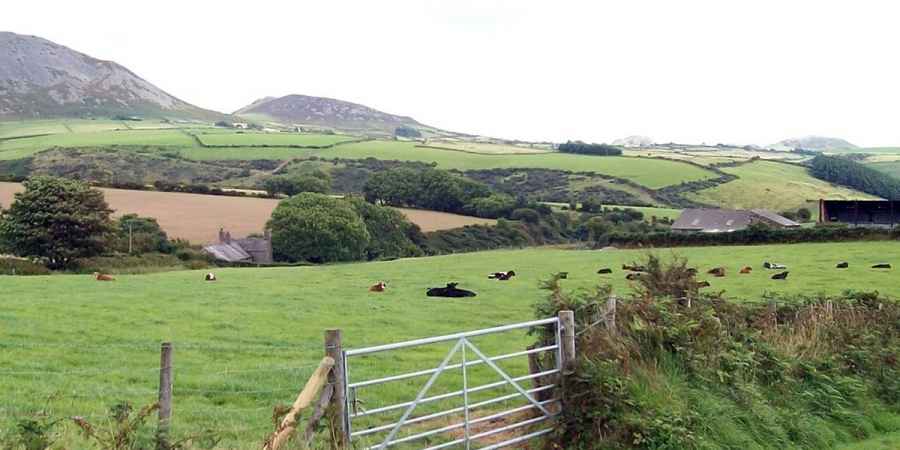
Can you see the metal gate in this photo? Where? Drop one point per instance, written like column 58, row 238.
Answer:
column 484, row 413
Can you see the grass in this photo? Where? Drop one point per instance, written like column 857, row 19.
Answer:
column 772, row 185
column 254, row 138
column 250, row 340
column 488, row 148
column 886, row 442
column 889, row 167
column 18, row 148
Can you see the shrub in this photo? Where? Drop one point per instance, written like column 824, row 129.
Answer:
column 590, row 149
column 491, row 207
column 19, row 266
column 527, row 215
column 393, row 235
column 293, row 185
column 139, row 235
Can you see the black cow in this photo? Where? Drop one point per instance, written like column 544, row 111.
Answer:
column 502, row 276
column 881, row 266
column 634, row 268
column 703, row 284
column 450, row 291
column 774, row 266
column 780, row 276
column 843, row 265
column 564, row 275
column 605, row 271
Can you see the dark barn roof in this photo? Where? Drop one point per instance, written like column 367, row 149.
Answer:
column 777, row 219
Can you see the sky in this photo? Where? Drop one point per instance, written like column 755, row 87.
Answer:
column 690, row 71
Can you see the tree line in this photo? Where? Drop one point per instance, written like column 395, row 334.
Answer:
column 852, row 174
column 589, row 149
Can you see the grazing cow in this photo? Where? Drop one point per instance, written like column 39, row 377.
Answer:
column 780, row 276
column 774, row 266
column 378, row 287
column 703, row 284
column 881, row 266
column 210, row 277
column 450, row 291
column 718, row 272
column 746, row 270
column 634, row 276
column 103, row 277
column 502, row 276
column 634, row 268
column 605, row 271
column 843, row 265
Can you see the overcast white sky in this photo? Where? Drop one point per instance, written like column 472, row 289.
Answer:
column 687, row 71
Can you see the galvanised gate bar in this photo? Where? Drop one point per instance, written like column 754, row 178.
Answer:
column 528, row 416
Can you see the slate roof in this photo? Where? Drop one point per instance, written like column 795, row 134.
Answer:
column 780, row 220
column 228, row 252
column 713, row 220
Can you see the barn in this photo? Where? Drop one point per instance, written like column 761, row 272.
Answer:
column 701, row 220
column 860, row 213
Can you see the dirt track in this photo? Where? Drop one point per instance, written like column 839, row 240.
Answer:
column 198, row 218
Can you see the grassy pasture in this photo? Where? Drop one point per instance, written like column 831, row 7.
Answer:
column 250, row 340
column 236, row 139
column 886, row 442
column 772, row 185
column 488, row 148
column 18, row 148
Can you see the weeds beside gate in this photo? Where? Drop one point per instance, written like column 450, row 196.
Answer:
column 504, row 420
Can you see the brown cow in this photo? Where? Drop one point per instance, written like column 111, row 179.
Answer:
column 103, row 277
column 378, row 287
column 746, row 270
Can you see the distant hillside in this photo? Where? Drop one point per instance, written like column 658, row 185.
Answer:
column 328, row 113
column 39, row 78
column 817, row 143
column 634, row 141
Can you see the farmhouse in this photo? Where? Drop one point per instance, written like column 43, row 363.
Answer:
column 728, row 220
column 246, row 250
column 860, row 213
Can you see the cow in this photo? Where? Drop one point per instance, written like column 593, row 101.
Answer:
column 605, row 271
column 780, row 276
column 692, row 271
column 774, row 266
column 210, row 277
column 746, row 270
column 564, row 275
column 882, row 266
column 718, row 272
column 703, row 284
column 843, row 265
column 103, row 277
column 502, row 276
column 378, row 287
column 634, row 276
column 450, row 291
column 634, row 268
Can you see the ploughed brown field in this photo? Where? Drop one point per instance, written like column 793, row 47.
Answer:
column 198, row 218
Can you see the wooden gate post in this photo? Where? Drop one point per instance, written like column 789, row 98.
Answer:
column 334, row 349
column 567, row 322
column 165, row 396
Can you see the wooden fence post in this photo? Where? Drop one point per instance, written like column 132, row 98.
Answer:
column 334, row 348
column 165, row 396
column 567, row 321
column 610, row 317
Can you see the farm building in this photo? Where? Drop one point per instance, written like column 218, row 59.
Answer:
column 246, row 250
column 728, row 220
column 860, row 213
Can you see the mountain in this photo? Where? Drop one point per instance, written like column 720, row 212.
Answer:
column 39, row 78
column 817, row 143
column 634, row 141
column 327, row 113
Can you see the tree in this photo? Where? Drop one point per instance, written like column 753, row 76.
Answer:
column 293, row 185
column 804, row 214
column 393, row 235
column 407, row 132
column 136, row 235
column 56, row 220
column 491, row 207
column 317, row 228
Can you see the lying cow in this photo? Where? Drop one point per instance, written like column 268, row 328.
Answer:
column 843, row 265
column 780, row 276
column 103, row 277
column 210, row 277
column 634, row 276
column 881, row 266
column 774, row 266
column 378, row 287
column 746, row 270
column 605, row 271
column 634, row 268
column 718, row 272
column 502, row 276
column 703, row 284
column 450, row 291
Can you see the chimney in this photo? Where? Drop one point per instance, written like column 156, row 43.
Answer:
column 221, row 235
column 227, row 237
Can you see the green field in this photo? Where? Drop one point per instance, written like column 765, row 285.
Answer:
column 889, row 167
column 772, row 185
column 249, row 341
column 237, row 139
column 887, row 442
column 18, row 148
